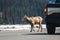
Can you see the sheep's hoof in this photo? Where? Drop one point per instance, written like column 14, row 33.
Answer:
column 30, row 31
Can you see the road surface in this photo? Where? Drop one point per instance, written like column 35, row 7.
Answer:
column 27, row 35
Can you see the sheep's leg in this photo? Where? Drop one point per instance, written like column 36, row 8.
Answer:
column 40, row 26
column 32, row 28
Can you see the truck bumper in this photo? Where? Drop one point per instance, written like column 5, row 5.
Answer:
column 53, row 18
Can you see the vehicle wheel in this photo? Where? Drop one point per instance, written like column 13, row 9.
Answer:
column 50, row 29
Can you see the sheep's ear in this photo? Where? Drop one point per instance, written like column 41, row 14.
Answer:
column 25, row 16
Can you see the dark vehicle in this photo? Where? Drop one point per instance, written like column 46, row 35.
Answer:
column 52, row 12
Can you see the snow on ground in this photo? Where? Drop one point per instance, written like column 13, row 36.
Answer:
column 17, row 27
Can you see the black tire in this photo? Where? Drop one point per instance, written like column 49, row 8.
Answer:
column 50, row 28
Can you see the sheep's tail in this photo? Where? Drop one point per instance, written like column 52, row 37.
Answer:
column 41, row 19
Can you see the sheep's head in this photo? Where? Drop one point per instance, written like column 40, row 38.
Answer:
column 25, row 17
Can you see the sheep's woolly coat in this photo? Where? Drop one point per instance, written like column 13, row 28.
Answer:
column 34, row 20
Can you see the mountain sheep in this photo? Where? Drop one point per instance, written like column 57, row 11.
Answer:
column 33, row 21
